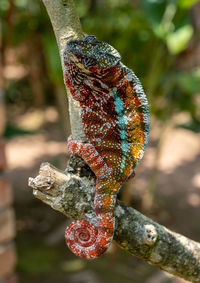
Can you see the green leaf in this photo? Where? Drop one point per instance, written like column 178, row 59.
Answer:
column 178, row 40
column 21, row 3
column 186, row 3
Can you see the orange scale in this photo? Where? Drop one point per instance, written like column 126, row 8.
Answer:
column 106, row 221
column 103, row 243
column 108, row 201
column 141, row 136
column 134, row 150
column 131, row 102
column 129, row 89
column 106, row 239
column 127, row 170
column 104, row 202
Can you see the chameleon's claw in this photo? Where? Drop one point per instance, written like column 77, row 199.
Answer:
column 74, row 146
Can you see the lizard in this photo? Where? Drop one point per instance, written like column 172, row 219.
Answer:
column 116, row 122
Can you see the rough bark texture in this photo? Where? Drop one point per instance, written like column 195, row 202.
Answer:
column 66, row 25
column 72, row 192
column 73, row 195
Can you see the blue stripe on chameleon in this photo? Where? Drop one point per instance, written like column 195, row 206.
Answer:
column 119, row 104
column 123, row 134
column 122, row 121
column 124, row 145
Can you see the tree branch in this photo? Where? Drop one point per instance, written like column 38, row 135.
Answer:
column 142, row 237
column 72, row 192
column 66, row 26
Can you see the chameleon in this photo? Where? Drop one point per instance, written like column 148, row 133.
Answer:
column 116, row 122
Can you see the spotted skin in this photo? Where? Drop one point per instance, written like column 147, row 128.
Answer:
column 115, row 117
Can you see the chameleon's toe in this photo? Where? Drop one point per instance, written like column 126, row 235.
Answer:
column 74, row 146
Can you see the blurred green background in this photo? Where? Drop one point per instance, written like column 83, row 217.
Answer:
column 160, row 41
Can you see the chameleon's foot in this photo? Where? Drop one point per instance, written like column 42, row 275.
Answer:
column 88, row 152
column 73, row 146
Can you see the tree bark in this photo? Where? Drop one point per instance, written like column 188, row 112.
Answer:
column 66, row 25
column 73, row 196
column 72, row 192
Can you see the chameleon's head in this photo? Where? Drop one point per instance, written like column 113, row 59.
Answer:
column 92, row 54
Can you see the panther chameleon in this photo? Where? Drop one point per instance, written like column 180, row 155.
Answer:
column 116, row 122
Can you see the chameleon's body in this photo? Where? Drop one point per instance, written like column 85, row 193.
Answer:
column 115, row 117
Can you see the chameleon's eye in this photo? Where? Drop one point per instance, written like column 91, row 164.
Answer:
column 89, row 62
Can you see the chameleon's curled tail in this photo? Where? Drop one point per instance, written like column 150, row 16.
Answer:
column 87, row 241
column 80, row 236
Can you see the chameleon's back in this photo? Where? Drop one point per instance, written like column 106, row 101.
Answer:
column 115, row 117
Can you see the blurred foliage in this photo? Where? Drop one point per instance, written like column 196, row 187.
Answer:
column 150, row 35
column 12, row 131
column 29, row 260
